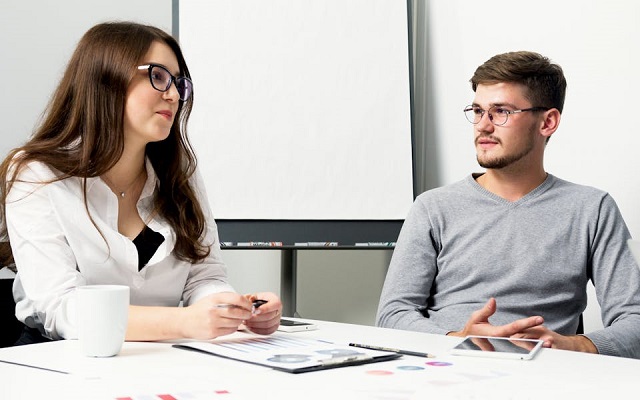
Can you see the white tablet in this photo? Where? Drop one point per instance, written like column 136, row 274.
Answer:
column 497, row 347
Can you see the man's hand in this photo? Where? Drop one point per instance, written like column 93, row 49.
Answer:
column 557, row 341
column 479, row 324
column 526, row 328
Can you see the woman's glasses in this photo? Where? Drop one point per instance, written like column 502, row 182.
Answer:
column 161, row 80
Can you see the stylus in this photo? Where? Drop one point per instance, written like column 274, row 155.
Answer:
column 405, row 352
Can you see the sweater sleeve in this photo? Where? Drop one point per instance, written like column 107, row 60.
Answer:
column 410, row 277
column 617, row 282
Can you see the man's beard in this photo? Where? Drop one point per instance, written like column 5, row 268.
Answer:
column 505, row 161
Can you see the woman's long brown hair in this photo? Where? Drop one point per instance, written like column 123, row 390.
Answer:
column 82, row 134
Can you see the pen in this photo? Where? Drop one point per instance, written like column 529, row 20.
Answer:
column 256, row 305
column 34, row 366
column 227, row 305
column 405, row 352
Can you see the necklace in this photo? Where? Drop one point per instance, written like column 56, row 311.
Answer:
column 121, row 193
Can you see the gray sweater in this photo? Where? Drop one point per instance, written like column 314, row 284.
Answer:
column 461, row 245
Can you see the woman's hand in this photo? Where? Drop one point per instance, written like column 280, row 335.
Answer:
column 216, row 315
column 265, row 319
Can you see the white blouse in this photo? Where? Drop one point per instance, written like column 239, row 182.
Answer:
column 57, row 248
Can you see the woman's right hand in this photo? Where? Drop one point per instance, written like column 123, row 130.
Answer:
column 215, row 315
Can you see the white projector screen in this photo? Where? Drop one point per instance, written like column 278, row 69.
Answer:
column 301, row 107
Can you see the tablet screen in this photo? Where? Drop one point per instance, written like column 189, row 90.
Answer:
column 497, row 347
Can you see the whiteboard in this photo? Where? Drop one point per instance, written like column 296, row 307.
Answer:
column 301, row 107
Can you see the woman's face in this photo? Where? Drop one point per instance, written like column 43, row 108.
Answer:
column 149, row 113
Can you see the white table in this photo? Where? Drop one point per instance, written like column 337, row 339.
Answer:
column 146, row 370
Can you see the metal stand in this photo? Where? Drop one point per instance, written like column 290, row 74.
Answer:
column 288, row 281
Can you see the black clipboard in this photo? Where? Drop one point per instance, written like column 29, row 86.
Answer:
column 287, row 353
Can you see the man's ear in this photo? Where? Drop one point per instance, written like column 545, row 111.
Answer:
column 550, row 122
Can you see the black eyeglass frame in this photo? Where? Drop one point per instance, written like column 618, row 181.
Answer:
column 173, row 79
column 506, row 112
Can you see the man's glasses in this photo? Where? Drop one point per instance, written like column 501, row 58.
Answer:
column 497, row 115
column 161, row 79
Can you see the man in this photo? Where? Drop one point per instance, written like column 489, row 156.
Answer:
column 509, row 252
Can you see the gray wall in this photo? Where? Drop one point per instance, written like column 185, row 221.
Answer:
column 597, row 47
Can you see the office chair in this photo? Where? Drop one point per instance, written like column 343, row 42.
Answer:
column 580, row 329
column 11, row 328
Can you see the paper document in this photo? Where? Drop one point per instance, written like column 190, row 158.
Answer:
column 289, row 353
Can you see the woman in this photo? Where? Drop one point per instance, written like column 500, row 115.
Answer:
column 106, row 192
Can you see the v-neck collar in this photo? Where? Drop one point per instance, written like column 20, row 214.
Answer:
column 548, row 182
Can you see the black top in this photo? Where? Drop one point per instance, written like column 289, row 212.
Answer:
column 147, row 242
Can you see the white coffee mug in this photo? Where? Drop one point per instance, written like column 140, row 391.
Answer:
column 103, row 311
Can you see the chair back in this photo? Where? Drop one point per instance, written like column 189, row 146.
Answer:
column 11, row 328
column 6, row 256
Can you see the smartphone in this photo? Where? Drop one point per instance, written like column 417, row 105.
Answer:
column 498, row 347
column 289, row 325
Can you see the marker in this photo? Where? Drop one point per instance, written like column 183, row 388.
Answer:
column 405, row 352
column 259, row 244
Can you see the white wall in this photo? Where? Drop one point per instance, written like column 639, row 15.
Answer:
column 597, row 46
column 37, row 39
column 334, row 285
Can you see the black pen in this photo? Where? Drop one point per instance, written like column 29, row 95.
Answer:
column 405, row 352
column 258, row 303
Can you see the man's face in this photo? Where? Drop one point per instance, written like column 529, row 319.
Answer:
column 514, row 142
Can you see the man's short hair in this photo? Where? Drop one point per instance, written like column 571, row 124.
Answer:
column 544, row 80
